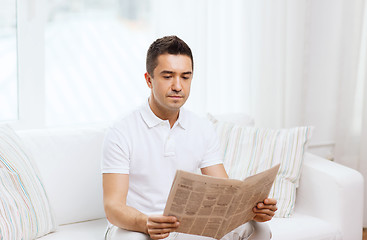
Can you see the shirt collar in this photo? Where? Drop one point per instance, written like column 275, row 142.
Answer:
column 152, row 120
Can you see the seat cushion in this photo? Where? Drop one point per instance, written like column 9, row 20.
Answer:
column 297, row 227
column 91, row 230
column 303, row 227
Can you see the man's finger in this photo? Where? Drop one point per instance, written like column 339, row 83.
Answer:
column 162, row 219
column 161, row 230
column 156, row 225
column 270, row 201
column 159, row 236
column 270, row 207
column 264, row 211
column 262, row 218
column 267, row 206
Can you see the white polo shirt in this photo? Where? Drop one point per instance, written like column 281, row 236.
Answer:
column 145, row 147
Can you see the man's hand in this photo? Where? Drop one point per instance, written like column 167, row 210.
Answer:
column 159, row 226
column 265, row 210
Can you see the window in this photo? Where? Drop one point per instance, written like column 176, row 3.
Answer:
column 94, row 59
column 8, row 61
column 83, row 61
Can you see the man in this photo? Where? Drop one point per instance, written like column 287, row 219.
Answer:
column 143, row 151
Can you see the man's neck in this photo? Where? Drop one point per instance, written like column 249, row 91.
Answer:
column 171, row 116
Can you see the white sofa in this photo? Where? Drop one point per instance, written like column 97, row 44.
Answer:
column 328, row 206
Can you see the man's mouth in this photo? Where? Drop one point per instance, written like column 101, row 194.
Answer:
column 175, row 96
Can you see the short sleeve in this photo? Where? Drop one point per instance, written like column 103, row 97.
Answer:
column 212, row 154
column 115, row 154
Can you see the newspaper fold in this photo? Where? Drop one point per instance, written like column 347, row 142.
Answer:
column 212, row 207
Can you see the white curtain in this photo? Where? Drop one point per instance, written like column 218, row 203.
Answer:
column 285, row 63
column 351, row 128
column 248, row 55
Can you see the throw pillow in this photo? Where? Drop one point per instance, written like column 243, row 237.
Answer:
column 25, row 212
column 250, row 150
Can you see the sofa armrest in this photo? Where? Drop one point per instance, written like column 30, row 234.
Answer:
column 333, row 193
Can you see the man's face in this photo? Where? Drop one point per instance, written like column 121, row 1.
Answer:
column 171, row 83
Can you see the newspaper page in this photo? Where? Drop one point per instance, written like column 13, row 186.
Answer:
column 212, row 207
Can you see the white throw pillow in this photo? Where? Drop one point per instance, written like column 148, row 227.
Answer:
column 250, row 150
column 25, row 212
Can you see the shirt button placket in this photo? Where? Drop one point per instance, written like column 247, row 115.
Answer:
column 169, row 150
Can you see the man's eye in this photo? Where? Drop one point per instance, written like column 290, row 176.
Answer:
column 166, row 77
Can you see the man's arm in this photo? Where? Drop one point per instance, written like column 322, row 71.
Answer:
column 115, row 188
column 264, row 210
column 215, row 171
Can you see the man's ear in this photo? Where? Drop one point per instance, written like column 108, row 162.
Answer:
column 148, row 79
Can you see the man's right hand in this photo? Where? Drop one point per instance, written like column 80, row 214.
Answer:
column 159, row 227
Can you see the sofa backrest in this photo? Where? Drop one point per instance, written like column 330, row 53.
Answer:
column 69, row 163
column 236, row 118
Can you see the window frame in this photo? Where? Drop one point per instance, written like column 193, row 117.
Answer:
column 31, row 58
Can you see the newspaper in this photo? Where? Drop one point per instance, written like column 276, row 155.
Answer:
column 212, row 207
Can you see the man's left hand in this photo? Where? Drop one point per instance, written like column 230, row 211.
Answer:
column 265, row 210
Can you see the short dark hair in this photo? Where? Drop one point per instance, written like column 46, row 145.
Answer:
column 167, row 44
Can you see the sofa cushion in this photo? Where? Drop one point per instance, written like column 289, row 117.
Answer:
column 69, row 162
column 89, row 230
column 297, row 227
column 250, row 150
column 303, row 227
column 25, row 212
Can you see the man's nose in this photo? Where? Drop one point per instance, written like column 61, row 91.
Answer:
column 176, row 85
